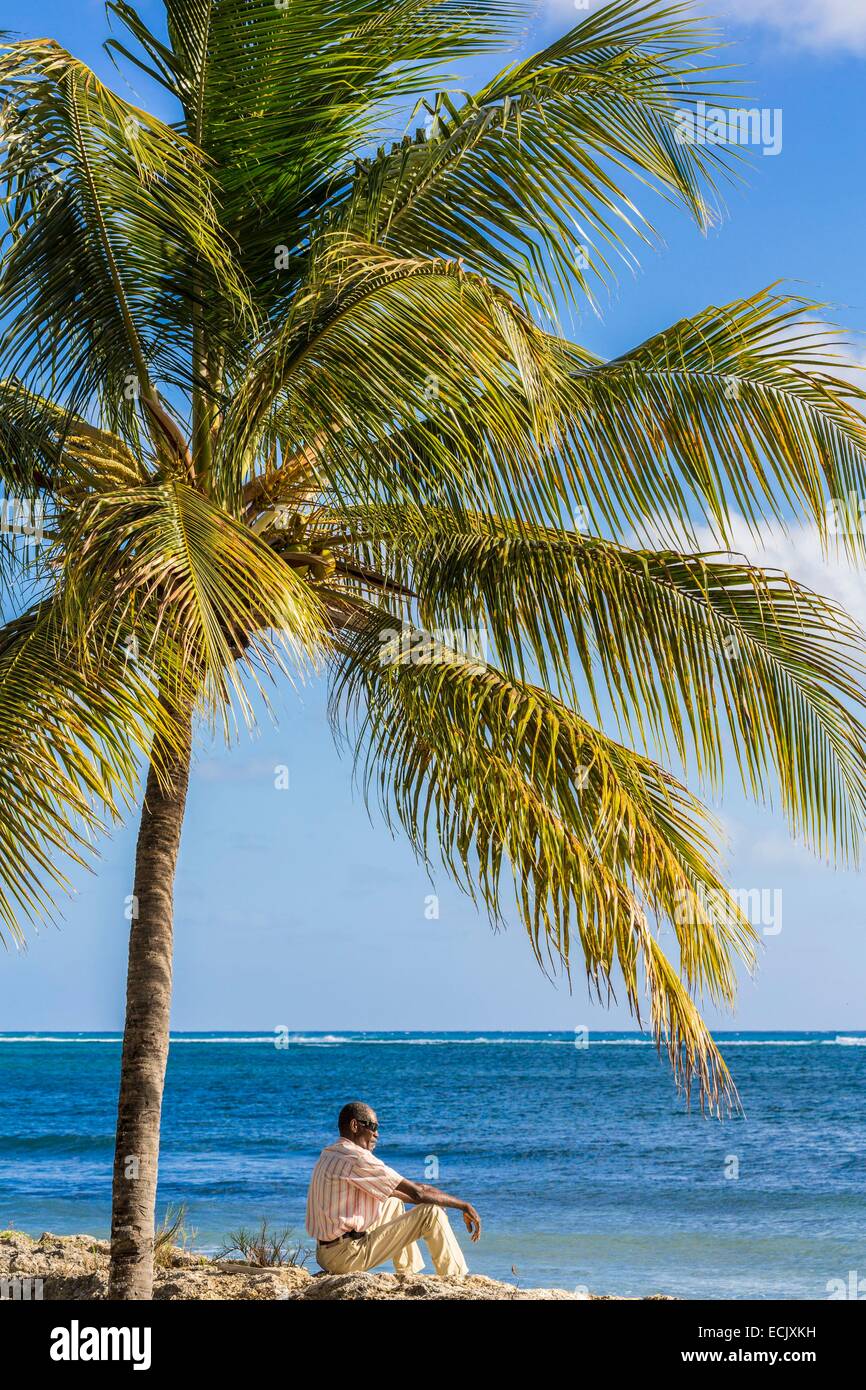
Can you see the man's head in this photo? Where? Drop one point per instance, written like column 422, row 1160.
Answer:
column 358, row 1122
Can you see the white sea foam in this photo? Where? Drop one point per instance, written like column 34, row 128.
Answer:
column 47, row 1038
column 337, row 1039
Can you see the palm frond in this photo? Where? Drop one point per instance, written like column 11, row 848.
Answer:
column 489, row 773
column 454, row 361
column 200, row 584
column 45, row 447
column 689, row 649
column 280, row 96
column 112, row 239
column 528, row 179
column 744, row 408
column 72, row 733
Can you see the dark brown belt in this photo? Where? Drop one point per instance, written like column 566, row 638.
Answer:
column 347, row 1235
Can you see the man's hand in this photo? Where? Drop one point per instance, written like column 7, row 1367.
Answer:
column 472, row 1221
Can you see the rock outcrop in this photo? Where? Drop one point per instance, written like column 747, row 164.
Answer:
column 76, row 1267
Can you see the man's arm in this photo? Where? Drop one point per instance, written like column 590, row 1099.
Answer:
column 421, row 1194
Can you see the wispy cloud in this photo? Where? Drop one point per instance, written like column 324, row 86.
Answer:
column 827, row 24
column 566, row 8
column 779, row 851
column 812, row 24
column 798, row 551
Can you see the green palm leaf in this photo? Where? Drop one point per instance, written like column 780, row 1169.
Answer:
column 72, row 732
column 746, row 406
column 525, row 179
column 280, row 96
column 46, row 448
column 415, row 327
column 492, row 774
column 113, row 236
column 220, row 600
column 689, row 649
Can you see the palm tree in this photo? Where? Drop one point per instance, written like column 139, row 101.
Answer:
column 284, row 398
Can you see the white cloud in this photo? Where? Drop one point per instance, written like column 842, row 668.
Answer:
column 797, row 550
column 813, row 24
column 807, row 23
column 565, row 8
column 852, row 367
column 779, row 851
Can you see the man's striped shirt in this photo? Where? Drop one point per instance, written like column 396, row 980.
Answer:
column 347, row 1189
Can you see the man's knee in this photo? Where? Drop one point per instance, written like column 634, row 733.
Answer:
column 390, row 1209
column 431, row 1216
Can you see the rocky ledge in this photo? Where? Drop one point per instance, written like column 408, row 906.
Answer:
column 76, row 1267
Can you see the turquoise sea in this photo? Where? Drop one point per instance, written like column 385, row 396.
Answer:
column 586, row 1167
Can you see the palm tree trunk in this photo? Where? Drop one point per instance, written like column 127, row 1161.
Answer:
column 148, row 1009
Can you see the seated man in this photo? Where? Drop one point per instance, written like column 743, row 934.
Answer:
column 355, row 1208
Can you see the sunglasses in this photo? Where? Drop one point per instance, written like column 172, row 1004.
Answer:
column 374, row 1129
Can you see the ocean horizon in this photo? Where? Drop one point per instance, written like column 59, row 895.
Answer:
column 587, row 1168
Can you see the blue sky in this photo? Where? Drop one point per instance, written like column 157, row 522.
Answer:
column 292, row 908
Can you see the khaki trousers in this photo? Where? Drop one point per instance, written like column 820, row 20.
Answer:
column 394, row 1237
